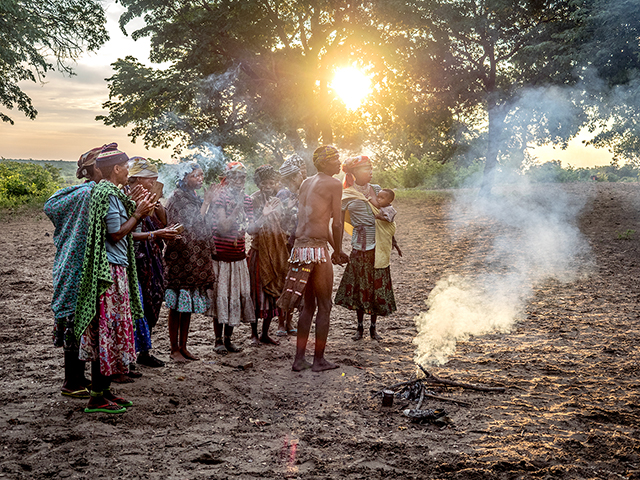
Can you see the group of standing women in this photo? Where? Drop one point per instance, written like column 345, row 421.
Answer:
column 208, row 269
column 244, row 287
column 191, row 254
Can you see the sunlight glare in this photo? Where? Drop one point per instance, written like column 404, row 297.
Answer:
column 351, row 85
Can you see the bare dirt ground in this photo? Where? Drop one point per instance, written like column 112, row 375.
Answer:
column 571, row 408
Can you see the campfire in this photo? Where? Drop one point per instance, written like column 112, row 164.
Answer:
column 416, row 390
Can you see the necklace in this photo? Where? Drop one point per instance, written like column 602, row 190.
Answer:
column 363, row 189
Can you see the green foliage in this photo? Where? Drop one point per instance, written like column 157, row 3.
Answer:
column 26, row 183
column 626, row 235
column 253, row 78
column 608, row 43
column 66, row 169
column 429, row 173
column 35, row 33
column 250, row 77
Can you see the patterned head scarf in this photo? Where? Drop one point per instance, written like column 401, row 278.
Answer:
column 233, row 168
column 350, row 165
column 292, row 165
column 140, row 167
column 264, row 172
column 184, row 170
column 110, row 156
column 87, row 159
column 288, row 169
column 297, row 160
column 324, row 154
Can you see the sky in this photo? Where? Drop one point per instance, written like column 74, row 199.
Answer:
column 67, row 106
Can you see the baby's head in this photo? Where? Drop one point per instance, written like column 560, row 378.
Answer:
column 385, row 197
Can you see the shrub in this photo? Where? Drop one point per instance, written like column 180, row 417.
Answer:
column 25, row 183
column 429, row 173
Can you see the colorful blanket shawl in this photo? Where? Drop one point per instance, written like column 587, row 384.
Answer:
column 271, row 243
column 96, row 275
column 384, row 230
column 68, row 209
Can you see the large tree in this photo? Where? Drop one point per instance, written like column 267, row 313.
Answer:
column 476, row 56
column 612, row 50
column 37, row 36
column 243, row 74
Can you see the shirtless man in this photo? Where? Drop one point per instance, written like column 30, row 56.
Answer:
column 310, row 274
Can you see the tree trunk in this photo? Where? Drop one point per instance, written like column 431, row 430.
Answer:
column 324, row 121
column 493, row 148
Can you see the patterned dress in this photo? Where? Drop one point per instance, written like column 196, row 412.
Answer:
column 110, row 336
column 189, row 268
column 268, row 261
column 232, row 303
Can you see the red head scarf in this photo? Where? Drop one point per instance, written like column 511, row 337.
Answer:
column 231, row 168
column 350, row 164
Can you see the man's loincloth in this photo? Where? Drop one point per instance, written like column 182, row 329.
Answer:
column 306, row 254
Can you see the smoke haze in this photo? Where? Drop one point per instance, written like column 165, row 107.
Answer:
column 535, row 238
column 208, row 156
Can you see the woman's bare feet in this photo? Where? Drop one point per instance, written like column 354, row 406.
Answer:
column 121, row 378
column 230, row 346
column 322, row 365
column 300, row 365
column 177, row 356
column 187, row 354
column 255, row 341
column 268, row 340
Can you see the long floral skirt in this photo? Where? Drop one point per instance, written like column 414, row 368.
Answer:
column 109, row 337
column 364, row 287
column 231, row 297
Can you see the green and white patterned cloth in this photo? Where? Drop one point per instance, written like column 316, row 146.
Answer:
column 96, row 275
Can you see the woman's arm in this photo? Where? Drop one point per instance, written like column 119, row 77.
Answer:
column 143, row 208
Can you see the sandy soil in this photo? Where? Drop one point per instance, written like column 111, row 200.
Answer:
column 571, row 408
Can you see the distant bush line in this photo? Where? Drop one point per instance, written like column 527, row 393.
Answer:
column 28, row 183
column 432, row 175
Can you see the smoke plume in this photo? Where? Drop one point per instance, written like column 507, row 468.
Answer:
column 208, row 156
column 535, row 238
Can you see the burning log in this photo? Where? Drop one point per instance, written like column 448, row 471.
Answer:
column 431, row 378
column 427, row 416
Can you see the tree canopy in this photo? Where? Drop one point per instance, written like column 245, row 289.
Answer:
column 251, row 77
column 254, row 78
column 612, row 50
column 37, row 36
